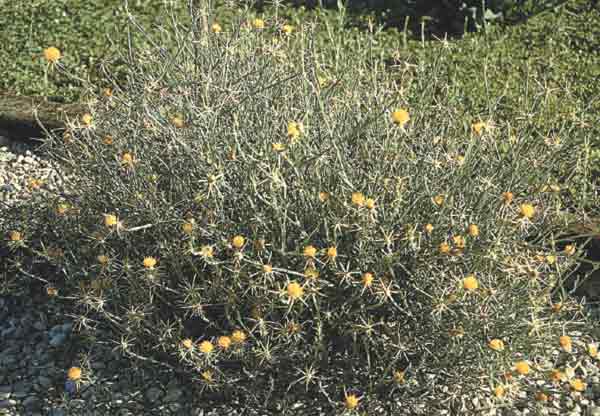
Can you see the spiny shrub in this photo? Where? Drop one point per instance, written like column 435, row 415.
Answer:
column 274, row 221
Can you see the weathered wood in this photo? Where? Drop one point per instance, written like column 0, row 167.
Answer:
column 18, row 116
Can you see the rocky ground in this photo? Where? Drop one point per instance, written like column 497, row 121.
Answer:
column 38, row 344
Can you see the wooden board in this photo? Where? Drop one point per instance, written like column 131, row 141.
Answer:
column 22, row 117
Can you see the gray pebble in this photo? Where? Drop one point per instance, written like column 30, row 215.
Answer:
column 153, row 394
column 58, row 339
column 56, row 412
column 593, row 411
column 173, row 395
column 44, row 381
column 32, row 403
column 5, row 404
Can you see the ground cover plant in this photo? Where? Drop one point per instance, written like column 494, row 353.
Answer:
column 276, row 220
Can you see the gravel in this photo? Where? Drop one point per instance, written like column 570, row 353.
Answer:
column 38, row 344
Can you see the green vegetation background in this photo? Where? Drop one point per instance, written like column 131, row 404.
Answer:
column 558, row 47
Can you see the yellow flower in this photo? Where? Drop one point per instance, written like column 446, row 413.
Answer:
column 178, row 122
column 216, row 28
column 473, row 230
column 110, row 220
column 74, row 373
column 52, row 54
column 550, row 259
column 206, row 347
column 238, row 336
column 367, row 279
column 206, row 251
column 351, row 401
column 496, row 344
column 15, row 236
column 565, row 343
column 127, row 159
column 569, row 249
column 540, row 396
column 470, row 283
column 527, row 211
column 207, row 376
column 238, row 241
column 62, row 209
column 444, row 248
column 224, row 342
column 310, row 251
column 187, row 344
column 52, row 291
column 258, row 24
column 499, row 392
column 188, row 227
column 149, row 262
column 507, row 197
column 267, row 268
column 332, row 252
column 592, row 350
column 370, row 203
column 478, row 127
column 399, row 376
column 35, row 183
column 438, row 200
column 522, row 367
column 428, row 228
column 323, row 196
column 287, row 29
column 358, row 199
column 87, row 119
column 278, row 147
column 311, row 273
column 459, row 241
column 294, row 290
column 557, row 376
column 577, row 384
column 400, row 117
column 294, row 130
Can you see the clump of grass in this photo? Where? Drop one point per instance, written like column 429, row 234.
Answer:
column 271, row 220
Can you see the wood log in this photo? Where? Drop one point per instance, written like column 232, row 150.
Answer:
column 22, row 117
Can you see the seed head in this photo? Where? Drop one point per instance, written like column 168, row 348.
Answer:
column 577, row 384
column 310, row 251
column 569, row 249
column 294, row 290
column 351, row 401
column 358, row 199
column 238, row 241
column 149, row 262
column 52, row 54
column 367, row 279
column 527, row 211
column 566, row 343
column 206, row 347
column 224, row 342
column 400, row 117
column 470, row 283
column 74, row 373
column 473, row 230
column 522, row 367
column 496, row 344
column 238, row 336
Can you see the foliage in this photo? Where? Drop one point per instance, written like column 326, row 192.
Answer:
column 271, row 217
